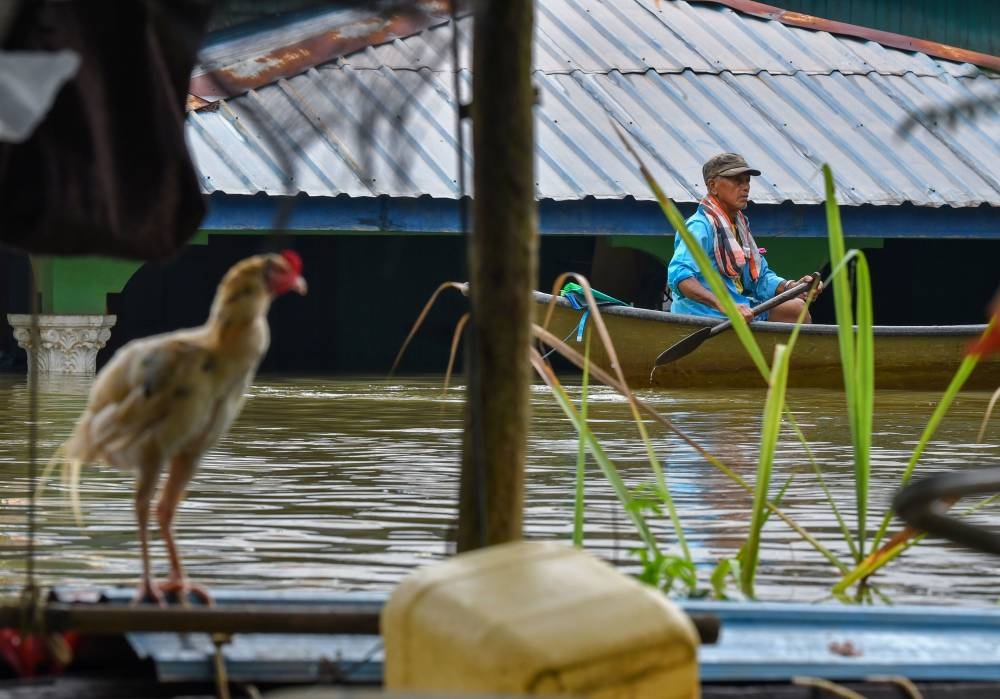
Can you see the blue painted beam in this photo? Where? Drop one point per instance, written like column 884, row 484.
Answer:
column 758, row 642
column 773, row 642
column 424, row 215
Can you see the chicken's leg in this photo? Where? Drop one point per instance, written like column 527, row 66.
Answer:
column 177, row 585
column 145, row 482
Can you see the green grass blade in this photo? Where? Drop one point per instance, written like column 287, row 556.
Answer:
column 957, row 381
column 597, row 451
column 950, row 393
column 605, row 338
column 581, row 453
column 776, row 500
column 724, row 570
column 845, row 531
column 856, row 351
column 814, row 465
column 841, row 290
column 867, row 568
column 770, row 429
column 841, row 294
column 793, row 423
column 864, row 396
column 663, row 489
column 675, row 520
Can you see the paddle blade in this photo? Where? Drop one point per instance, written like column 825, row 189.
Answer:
column 683, row 348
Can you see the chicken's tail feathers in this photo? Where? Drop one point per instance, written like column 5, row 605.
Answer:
column 58, row 457
column 69, row 475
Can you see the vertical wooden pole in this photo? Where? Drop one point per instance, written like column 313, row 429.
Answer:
column 503, row 263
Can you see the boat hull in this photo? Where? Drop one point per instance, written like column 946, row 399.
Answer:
column 906, row 357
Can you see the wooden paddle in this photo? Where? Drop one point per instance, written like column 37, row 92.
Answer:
column 690, row 343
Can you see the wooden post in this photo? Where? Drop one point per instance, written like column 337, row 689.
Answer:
column 503, row 263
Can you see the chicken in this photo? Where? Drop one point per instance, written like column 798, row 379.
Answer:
column 163, row 401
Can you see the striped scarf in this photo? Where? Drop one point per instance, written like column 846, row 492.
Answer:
column 730, row 255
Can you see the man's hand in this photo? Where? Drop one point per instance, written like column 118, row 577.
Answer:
column 693, row 289
column 805, row 295
column 744, row 311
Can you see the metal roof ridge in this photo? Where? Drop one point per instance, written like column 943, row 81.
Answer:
column 891, row 39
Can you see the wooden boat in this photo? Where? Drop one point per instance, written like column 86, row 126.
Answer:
column 906, row 356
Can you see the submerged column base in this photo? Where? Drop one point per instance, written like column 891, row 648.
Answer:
column 68, row 343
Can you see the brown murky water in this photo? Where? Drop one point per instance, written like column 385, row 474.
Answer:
column 348, row 484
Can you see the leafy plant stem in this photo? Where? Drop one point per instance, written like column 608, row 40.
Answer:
column 581, row 454
column 765, row 465
column 964, row 369
column 600, row 456
column 661, row 484
column 882, row 557
column 844, row 530
column 605, row 337
column 604, row 377
column 856, row 351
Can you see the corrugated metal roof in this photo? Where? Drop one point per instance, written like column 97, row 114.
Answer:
column 924, row 16
column 685, row 80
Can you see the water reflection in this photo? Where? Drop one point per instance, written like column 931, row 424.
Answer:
column 336, row 484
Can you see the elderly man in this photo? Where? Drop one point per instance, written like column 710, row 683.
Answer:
column 723, row 232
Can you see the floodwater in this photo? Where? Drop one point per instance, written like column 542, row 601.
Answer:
column 333, row 484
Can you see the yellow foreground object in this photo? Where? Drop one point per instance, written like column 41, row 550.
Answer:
column 536, row 618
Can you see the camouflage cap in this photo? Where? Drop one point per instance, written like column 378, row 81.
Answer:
column 726, row 165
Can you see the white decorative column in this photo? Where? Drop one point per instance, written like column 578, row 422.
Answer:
column 69, row 343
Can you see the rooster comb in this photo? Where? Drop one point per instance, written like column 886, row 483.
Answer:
column 293, row 259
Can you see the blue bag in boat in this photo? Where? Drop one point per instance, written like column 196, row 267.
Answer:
column 573, row 293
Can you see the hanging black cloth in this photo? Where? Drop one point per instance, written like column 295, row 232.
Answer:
column 107, row 171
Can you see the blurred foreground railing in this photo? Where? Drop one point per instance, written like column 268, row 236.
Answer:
column 104, row 618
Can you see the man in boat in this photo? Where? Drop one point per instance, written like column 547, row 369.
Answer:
column 723, row 232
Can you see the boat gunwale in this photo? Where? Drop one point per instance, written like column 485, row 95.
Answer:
column 764, row 326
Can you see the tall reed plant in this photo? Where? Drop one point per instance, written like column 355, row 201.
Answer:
column 851, row 286
column 855, row 336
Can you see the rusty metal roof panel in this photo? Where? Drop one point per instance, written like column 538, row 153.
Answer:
column 234, row 63
column 685, row 80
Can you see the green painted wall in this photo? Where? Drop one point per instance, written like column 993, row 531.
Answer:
column 796, row 257
column 80, row 284
column 968, row 24
column 227, row 13
column 971, row 24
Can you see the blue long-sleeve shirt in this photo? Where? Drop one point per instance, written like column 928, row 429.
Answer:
column 683, row 266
